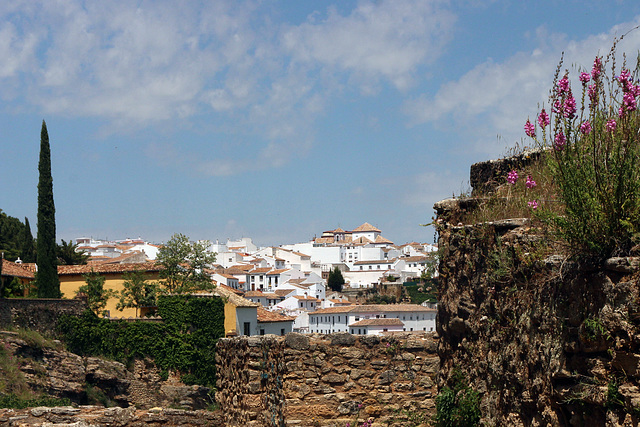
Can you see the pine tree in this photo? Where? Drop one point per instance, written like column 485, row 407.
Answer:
column 28, row 253
column 335, row 280
column 47, row 275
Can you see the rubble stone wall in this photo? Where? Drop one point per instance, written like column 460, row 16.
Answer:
column 327, row 380
column 38, row 314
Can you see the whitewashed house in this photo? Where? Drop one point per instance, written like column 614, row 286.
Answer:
column 274, row 323
column 345, row 319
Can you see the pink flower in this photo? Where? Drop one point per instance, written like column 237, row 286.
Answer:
column 629, row 101
column 585, row 128
column 569, row 106
column 530, row 183
column 563, row 84
column 597, row 67
column 530, row 129
column 533, row 204
column 543, row 118
column 560, row 140
column 611, row 125
column 591, row 91
column 512, row 177
column 585, row 77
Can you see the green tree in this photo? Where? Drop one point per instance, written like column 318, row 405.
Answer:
column 97, row 295
column 68, row 254
column 184, row 263
column 11, row 235
column 28, row 252
column 47, row 275
column 137, row 292
column 335, row 280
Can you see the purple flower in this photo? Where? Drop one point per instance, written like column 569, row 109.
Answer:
column 585, row 77
column 512, row 177
column 533, row 204
column 569, row 106
column 591, row 91
column 543, row 119
column 585, row 128
column 557, row 106
column 563, row 84
column 560, row 140
column 530, row 183
column 629, row 101
column 597, row 67
column 530, row 129
column 611, row 125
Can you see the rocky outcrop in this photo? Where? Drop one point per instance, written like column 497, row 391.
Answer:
column 53, row 371
column 95, row 416
column 545, row 340
column 327, row 380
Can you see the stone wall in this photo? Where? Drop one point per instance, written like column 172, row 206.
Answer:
column 544, row 339
column 327, row 380
column 38, row 314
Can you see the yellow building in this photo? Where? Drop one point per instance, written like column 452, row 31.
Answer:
column 72, row 278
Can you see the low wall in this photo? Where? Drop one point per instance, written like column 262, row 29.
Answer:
column 39, row 314
column 326, row 380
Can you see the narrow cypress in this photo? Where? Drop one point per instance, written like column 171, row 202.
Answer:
column 47, row 275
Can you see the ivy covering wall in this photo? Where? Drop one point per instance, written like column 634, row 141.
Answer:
column 184, row 342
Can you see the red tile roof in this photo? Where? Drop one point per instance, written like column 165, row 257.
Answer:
column 365, row 227
column 265, row 316
column 377, row 322
column 10, row 268
column 108, row 268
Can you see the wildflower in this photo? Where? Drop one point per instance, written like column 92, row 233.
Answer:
column 557, row 106
column 585, row 77
column 623, row 78
column 530, row 183
column 585, row 128
column 629, row 101
column 533, row 204
column 563, row 84
column 543, row 119
column 569, row 106
column 512, row 177
column 597, row 67
column 530, row 129
column 560, row 140
column 611, row 125
column 591, row 91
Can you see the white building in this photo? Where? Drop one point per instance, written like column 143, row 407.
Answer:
column 273, row 323
column 346, row 319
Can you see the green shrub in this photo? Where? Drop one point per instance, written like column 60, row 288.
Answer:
column 184, row 342
column 458, row 406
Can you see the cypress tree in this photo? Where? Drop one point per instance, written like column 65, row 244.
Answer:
column 28, row 253
column 47, row 275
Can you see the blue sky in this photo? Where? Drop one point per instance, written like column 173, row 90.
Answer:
column 274, row 120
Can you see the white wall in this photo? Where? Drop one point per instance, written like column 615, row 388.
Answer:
column 275, row 328
column 247, row 314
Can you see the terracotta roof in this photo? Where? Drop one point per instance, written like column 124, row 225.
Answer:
column 233, row 298
column 300, row 254
column 260, row 270
column 365, row 227
column 306, row 298
column 266, row 316
column 10, row 268
column 361, row 241
column 275, row 272
column 230, row 289
column 339, row 230
column 418, row 258
column 242, row 267
column 107, row 268
column 381, row 239
column 377, row 322
column 261, row 294
column 283, row 292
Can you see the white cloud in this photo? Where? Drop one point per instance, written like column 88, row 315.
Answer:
column 498, row 97
column 385, row 40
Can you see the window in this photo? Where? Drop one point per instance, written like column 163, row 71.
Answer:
column 301, row 305
column 247, row 328
column 261, row 331
column 282, row 332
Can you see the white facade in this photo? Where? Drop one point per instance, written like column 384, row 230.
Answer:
column 247, row 321
column 342, row 319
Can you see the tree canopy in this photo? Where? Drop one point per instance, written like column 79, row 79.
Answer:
column 137, row 292
column 335, row 282
column 46, row 247
column 68, row 254
column 184, row 263
column 11, row 236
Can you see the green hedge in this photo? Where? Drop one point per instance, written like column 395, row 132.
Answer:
column 184, row 342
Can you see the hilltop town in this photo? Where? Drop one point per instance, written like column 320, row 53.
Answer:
column 277, row 290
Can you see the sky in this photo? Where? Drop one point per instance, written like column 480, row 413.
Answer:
column 275, row 120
